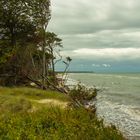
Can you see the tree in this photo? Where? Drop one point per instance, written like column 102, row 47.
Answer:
column 41, row 15
column 67, row 63
column 16, row 31
column 27, row 50
column 53, row 41
column 23, row 24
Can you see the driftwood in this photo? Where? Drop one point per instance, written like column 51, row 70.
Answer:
column 45, row 87
column 63, row 90
column 36, row 82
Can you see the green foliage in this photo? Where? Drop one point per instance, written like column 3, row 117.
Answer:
column 21, row 27
column 27, row 51
column 18, row 119
column 53, row 40
column 55, row 124
column 82, row 93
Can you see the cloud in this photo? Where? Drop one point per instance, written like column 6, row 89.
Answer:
column 103, row 39
column 105, row 53
column 101, row 65
column 96, row 65
column 98, row 31
column 87, row 16
column 106, row 65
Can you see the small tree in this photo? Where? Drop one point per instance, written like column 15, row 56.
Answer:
column 53, row 42
column 67, row 63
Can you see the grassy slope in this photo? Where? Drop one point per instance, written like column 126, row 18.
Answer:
column 19, row 120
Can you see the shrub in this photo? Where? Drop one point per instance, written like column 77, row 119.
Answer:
column 81, row 93
column 56, row 124
column 82, row 96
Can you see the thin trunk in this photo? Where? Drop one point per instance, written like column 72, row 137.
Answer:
column 12, row 32
column 43, row 65
column 44, row 56
column 63, row 76
column 33, row 63
column 53, row 67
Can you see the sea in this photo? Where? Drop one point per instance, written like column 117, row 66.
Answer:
column 118, row 99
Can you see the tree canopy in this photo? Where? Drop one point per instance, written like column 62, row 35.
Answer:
column 27, row 51
column 22, row 27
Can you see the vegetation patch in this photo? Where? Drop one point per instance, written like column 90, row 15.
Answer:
column 33, row 93
column 56, row 124
column 18, row 120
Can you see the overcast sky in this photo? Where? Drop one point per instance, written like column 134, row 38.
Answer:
column 99, row 35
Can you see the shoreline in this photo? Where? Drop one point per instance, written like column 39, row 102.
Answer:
column 126, row 128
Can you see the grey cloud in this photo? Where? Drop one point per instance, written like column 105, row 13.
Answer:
column 87, row 16
column 97, row 24
column 104, row 39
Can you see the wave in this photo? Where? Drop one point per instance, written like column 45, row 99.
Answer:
column 120, row 76
column 126, row 117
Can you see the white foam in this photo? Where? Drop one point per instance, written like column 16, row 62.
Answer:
column 125, row 117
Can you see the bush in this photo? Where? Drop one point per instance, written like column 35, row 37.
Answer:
column 83, row 95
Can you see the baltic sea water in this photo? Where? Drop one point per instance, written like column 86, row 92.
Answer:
column 118, row 101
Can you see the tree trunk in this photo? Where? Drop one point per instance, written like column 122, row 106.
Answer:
column 53, row 67
column 44, row 55
column 43, row 65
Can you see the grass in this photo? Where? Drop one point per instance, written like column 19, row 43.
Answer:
column 33, row 93
column 18, row 122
